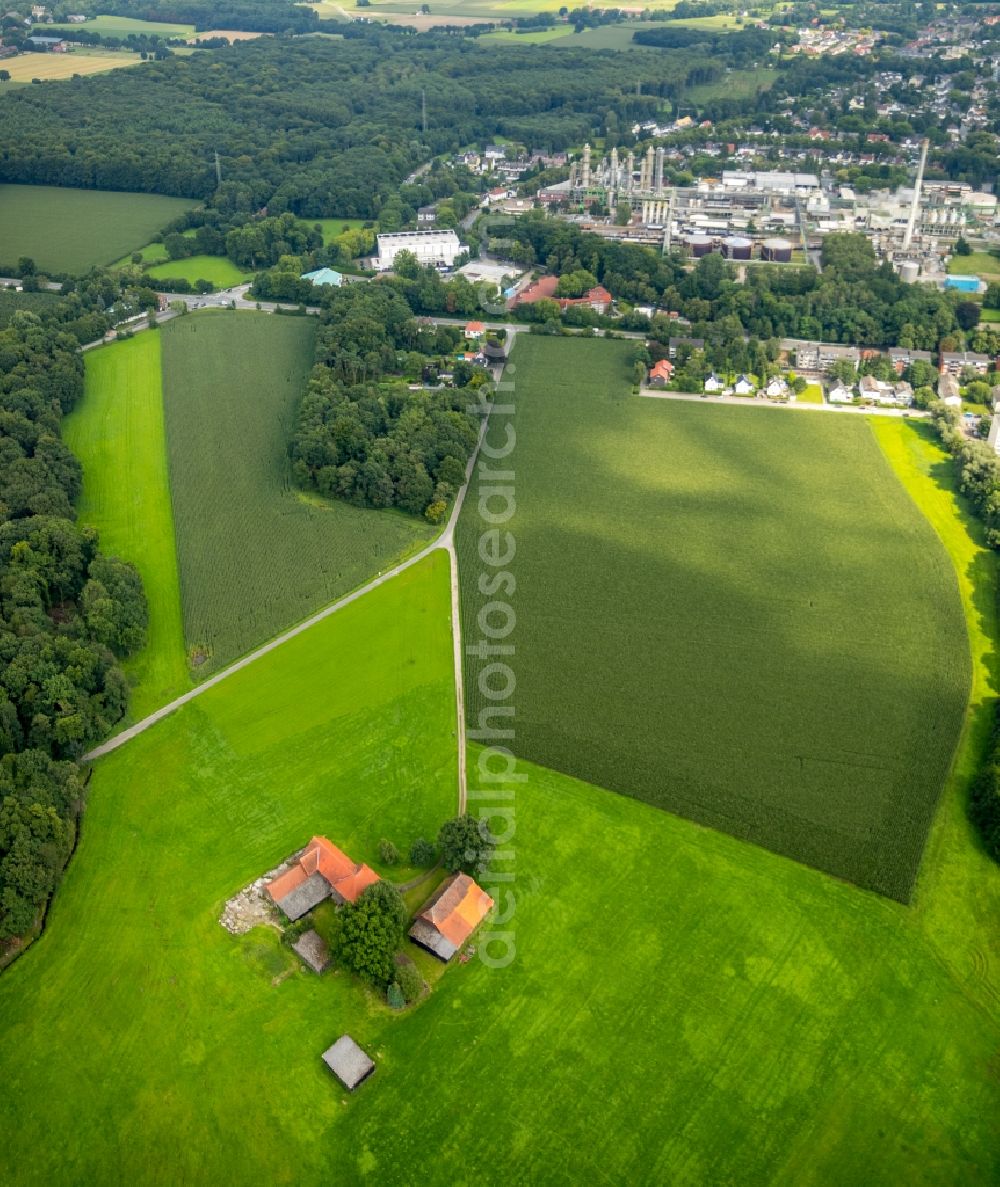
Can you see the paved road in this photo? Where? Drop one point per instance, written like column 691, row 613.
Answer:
column 743, row 402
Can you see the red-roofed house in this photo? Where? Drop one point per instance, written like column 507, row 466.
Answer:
column 450, row 916
column 545, row 286
column 598, row 299
column 322, row 871
column 475, row 329
column 661, row 373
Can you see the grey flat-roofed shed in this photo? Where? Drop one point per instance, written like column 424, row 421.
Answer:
column 348, row 1062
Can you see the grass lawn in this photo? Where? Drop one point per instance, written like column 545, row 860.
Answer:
column 180, row 1029
column 333, row 227
column 768, row 665
column 255, row 555
column 122, row 26
column 53, row 67
column 763, row 1024
column 117, row 433
column 66, row 230
column 812, row 393
column 220, row 270
column 980, row 263
column 990, row 315
column 537, row 37
column 738, row 84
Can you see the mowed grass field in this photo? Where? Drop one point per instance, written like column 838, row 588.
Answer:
column 255, row 555
column 979, row 263
column 741, row 619
column 712, row 1014
column 117, row 432
column 65, row 230
column 123, row 26
column 220, row 270
column 53, row 67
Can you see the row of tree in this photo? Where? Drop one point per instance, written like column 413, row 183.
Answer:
column 67, row 613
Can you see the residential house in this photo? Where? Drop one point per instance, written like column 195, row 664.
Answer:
column 598, row 299
column 426, row 216
column 321, row 871
column 777, row 388
column 901, row 358
column 450, row 916
column 674, row 343
column 841, row 394
column 475, row 330
column 713, row 383
column 660, row 373
column 954, row 362
column 744, row 386
column 947, row 390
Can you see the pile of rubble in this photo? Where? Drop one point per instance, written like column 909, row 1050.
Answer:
column 252, row 907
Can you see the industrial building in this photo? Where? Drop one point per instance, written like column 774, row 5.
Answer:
column 439, row 248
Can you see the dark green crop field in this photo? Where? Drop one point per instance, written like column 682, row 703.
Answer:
column 66, row 230
column 736, row 615
column 255, row 556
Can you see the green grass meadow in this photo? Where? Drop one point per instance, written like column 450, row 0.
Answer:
column 255, row 555
column 220, row 270
column 117, row 432
column 712, row 1014
column 65, row 230
column 123, row 26
column 717, row 613
column 979, row 263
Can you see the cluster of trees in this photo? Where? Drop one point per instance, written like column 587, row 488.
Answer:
column 371, row 441
column 66, row 614
column 316, row 127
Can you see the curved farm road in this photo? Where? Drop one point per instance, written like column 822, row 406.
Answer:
column 446, row 540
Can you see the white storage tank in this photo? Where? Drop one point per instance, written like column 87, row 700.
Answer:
column 909, row 270
column 700, row 245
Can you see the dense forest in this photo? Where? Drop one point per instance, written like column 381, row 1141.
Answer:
column 362, row 434
column 313, row 126
column 66, row 613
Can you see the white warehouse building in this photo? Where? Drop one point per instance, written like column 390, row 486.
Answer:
column 430, row 247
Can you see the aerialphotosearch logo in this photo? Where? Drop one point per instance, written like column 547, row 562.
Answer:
column 495, row 778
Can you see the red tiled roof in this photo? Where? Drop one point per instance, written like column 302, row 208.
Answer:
column 476, row 327
column 545, row 286
column 349, row 878
column 661, row 370
column 458, row 909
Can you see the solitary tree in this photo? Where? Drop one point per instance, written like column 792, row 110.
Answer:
column 466, row 844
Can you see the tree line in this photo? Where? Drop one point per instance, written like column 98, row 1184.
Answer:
column 67, row 615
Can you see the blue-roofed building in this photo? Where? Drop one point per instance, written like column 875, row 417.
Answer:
column 324, row 276
column 964, row 284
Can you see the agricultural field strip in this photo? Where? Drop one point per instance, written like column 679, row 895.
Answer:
column 446, row 541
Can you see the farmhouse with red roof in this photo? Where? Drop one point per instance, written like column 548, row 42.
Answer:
column 450, row 916
column 322, row 871
column 661, row 373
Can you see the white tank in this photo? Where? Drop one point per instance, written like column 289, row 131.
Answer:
column 909, row 270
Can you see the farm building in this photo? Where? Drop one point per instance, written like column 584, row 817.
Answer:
column 661, row 373
column 311, row 948
column 450, row 916
column 322, row 871
column 52, row 45
column 348, row 1062
column 323, row 276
